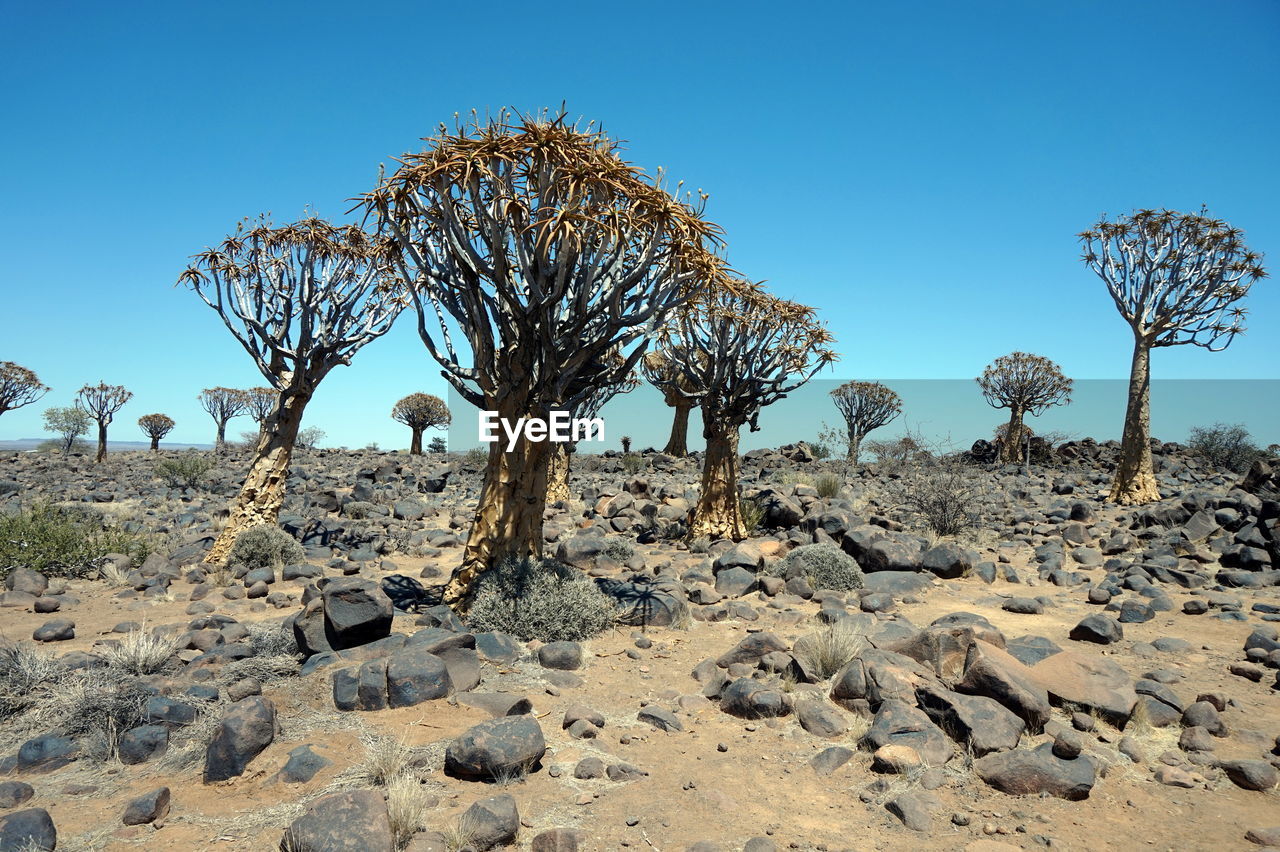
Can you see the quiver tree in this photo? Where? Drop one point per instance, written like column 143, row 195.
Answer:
column 18, row 386
column 588, row 409
column 301, row 299
column 222, row 404
column 1176, row 279
column 547, row 251
column 101, row 402
column 677, row 394
column 259, row 404
column 740, row 351
column 865, row 406
column 155, row 427
column 420, row 412
column 1024, row 384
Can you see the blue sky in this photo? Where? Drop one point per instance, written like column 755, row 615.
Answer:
column 916, row 171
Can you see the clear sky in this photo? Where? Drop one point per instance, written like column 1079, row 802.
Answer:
column 916, row 171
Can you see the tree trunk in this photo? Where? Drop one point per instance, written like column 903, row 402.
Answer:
column 1011, row 449
column 1135, row 479
column 102, row 442
column 263, row 491
column 220, row 444
column 855, row 446
column 718, row 514
column 678, row 443
column 415, row 443
column 558, row 473
column 155, row 444
column 508, row 520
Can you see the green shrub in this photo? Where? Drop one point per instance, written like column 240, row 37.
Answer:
column 825, row 566
column 752, row 514
column 633, row 463
column 1225, row 445
column 820, row 448
column 618, row 549
column 476, row 457
column 185, row 471
column 359, row 510
column 61, row 541
column 265, row 546
column 544, row 600
column 828, row 485
column 701, row 544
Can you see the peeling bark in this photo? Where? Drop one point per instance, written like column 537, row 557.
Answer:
column 855, row 445
column 1011, row 449
column 558, row 473
column 718, row 513
column 1135, row 479
column 263, row 491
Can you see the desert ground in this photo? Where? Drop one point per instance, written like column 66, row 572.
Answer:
column 1064, row 673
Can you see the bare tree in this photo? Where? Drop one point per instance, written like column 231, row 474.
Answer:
column 18, row 386
column 1176, row 279
column 865, row 406
column 547, row 251
column 261, row 402
column 301, row 299
column 101, row 402
column 420, row 412
column 1024, row 384
column 677, row 394
column 740, row 351
column 155, row 427
column 222, row 404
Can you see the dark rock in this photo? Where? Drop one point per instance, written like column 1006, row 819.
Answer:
column 1250, row 774
column 356, row 612
column 821, row 719
column 660, row 718
column 147, row 808
column 898, row 723
column 565, row 656
column 830, row 759
column 992, row 672
column 949, row 560
column 302, row 765
column 557, row 840
column 28, row 831
column 981, row 722
column 14, row 793
column 47, row 752
column 492, row 822
column 415, row 676
column 349, row 821
column 57, row 630
column 750, row 699
column 1097, row 628
column 1039, row 770
column 915, row 809
column 492, row 749
column 140, row 744
column 246, row 728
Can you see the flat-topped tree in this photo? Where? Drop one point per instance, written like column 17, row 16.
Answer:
column 865, row 406
column 155, row 427
column 301, row 299
column 260, row 402
column 547, row 251
column 420, row 412
column 1024, row 384
column 101, row 402
column 677, row 394
column 740, row 351
column 18, row 386
column 1176, row 279
column 222, row 404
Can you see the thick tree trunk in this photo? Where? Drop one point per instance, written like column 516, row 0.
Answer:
column 718, row 514
column 415, row 443
column 155, row 445
column 220, row 443
column 1011, row 449
column 678, row 443
column 508, row 520
column 1135, row 479
column 558, row 473
column 855, row 445
column 102, row 442
column 263, row 491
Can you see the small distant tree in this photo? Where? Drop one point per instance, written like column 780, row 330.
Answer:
column 546, row 250
column 865, row 406
column 420, row 412
column 222, row 404
column 18, row 386
column 1176, row 279
column 438, row 445
column 677, row 394
column 626, row 443
column 1024, row 384
column 260, row 403
column 310, row 438
column 301, row 299
column 102, row 401
column 68, row 423
column 1225, row 445
column 155, row 427
column 741, row 350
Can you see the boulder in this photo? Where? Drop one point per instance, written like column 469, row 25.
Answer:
column 496, row 748
column 349, row 821
column 982, row 723
column 1033, row 771
column 246, row 728
column 147, row 808
column 491, row 822
column 356, row 612
column 899, row 723
column 31, row 830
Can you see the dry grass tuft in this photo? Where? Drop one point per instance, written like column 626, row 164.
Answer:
column 828, row 650
column 141, row 652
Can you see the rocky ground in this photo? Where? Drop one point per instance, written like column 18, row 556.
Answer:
column 1065, row 674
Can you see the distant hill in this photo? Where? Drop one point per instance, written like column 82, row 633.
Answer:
column 26, row 445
